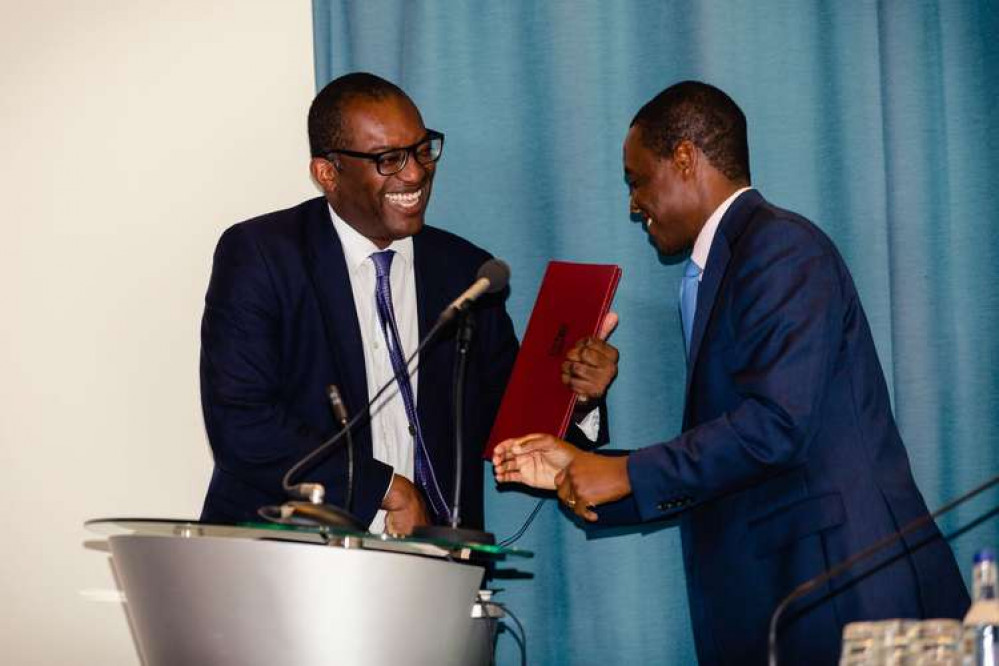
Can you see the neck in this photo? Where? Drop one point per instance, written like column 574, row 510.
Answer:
column 717, row 190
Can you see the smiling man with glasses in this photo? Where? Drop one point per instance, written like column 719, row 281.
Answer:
column 338, row 290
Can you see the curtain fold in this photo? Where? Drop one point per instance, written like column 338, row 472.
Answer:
column 877, row 120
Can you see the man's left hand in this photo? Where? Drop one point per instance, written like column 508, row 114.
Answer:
column 591, row 365
column 592, row 479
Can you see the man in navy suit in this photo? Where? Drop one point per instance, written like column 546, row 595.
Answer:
column 338, row 290
column 789, row 460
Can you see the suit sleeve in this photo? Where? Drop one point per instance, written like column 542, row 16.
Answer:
column 255, row 436
column 783, row 318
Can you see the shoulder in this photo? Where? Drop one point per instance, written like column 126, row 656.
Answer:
column 277, row 227
column 770, row 234
column 779, row 253
column 455, row 251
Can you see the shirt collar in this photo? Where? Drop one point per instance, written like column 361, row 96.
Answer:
column 702, row 246
column 357, row 248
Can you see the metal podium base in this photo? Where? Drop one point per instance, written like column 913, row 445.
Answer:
column 240, row 602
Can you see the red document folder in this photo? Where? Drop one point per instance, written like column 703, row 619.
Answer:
column 571, row 303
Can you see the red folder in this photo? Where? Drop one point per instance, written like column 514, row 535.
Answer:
column 571, row 303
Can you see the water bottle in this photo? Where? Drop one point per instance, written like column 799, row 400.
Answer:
column 983, row 616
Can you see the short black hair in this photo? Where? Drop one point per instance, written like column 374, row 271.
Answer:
column 705, row 116
column 326, row 131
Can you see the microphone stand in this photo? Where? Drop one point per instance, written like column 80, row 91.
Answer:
column 466, row 328
column 453, row 532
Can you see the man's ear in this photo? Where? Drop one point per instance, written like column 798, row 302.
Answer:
column 324, row 174
column 685, row 157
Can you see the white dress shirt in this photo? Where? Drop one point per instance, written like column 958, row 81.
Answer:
column 391, row 441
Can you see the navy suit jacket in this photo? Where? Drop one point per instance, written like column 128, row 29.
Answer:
column 280, row 325
column 790, row 460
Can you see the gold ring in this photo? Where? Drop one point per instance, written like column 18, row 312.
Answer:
column 571, row 503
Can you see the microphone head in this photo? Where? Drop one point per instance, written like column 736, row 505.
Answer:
column 497, row 272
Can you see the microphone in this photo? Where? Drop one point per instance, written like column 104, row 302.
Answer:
column 340, row 414
column 492, row 277
column 314, row 511
column 811, row 584
column 336, row 403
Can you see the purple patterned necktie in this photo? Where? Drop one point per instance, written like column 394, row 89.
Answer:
column 386, row 317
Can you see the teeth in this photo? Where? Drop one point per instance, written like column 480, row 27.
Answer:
column 405, row 199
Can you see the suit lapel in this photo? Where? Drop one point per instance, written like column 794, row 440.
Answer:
column 431, row 299
column 328, row 271
column 729, row 228
column 706, row 293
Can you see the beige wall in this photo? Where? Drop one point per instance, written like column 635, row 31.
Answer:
column 131, row 133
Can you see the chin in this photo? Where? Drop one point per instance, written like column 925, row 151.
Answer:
column 665, row 248
column 407, row 228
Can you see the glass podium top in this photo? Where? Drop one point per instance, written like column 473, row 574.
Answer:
column 323, row 535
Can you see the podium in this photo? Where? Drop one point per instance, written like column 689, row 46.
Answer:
column 201, row 594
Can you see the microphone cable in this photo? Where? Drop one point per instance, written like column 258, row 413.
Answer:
column 510, row 540
column 520, row 636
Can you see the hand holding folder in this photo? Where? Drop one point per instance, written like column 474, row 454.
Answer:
column 591, row 365
column 572, row 303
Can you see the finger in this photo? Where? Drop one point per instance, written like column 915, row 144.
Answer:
column 599, row 354
column 513, row 445
column 584, row 372
column 593, row 360
column 574, row 353
column 510, row 477
column 583, row 386
column 608, row 325
column 505, row 467
column 581, row 508
column 503, row 447
column 536, row 442
column 590, row 515
column 564, row 495
column 500, row 458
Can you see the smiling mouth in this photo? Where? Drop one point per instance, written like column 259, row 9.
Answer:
column 405, row 200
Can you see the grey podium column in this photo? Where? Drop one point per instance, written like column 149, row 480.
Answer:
column 241, row 602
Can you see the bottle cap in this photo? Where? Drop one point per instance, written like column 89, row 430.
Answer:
column 985, row 554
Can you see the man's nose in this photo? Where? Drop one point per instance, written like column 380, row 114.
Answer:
column 413, row 172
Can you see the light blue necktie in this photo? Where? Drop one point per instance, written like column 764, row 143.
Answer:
column 425, row 477
column 688, row 300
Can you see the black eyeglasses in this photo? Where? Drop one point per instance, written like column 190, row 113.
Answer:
column 426, row 151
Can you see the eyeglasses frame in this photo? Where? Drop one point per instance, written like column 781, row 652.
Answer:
column 407, row 151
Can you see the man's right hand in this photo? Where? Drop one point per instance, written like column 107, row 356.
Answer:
column 404, row 506
column 534, row 460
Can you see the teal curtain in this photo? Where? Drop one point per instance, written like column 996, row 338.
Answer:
column 877, row 120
